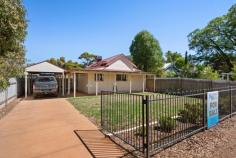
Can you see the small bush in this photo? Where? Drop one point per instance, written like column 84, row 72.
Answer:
column 192, row 113
column 140, row 131
column 224, row 105
column 167, row 124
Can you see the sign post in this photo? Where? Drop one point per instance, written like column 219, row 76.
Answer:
column 212, row 108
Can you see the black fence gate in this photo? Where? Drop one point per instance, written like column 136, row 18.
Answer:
column 149, row 122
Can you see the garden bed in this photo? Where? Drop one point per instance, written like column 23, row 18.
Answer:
column 217, row 142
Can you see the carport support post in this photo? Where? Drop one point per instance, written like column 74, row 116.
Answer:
column 143, row 83
column 130, row 84
column 96, row 83
column 63, row 84
column 26, row 80
column 115, row 88
column 68, row 92
column 154, row 83
column 74, row 84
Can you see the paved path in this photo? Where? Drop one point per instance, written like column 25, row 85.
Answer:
column 45, row 128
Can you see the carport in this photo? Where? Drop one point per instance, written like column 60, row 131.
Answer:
column 43, row 67
column 67, row 80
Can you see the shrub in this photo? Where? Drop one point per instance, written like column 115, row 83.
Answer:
column 167, row 124
column 192, row 113
column 140, row 131
column 209, row 73
column 224, row 105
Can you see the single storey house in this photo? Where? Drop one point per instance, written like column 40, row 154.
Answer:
column 116, row 73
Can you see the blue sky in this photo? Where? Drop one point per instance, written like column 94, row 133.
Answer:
column 107, row 27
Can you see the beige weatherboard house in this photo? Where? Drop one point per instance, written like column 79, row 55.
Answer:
column 116, row 74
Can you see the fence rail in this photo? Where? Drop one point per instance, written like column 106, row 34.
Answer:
column 151, row 122
column 7, row 96
column 9, row 93
column 162, row 84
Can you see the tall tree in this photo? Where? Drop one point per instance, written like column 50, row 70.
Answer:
column 87, row 58
column 146, row 52
column 171, row 57
column 175, row 58
column 68, row 65
column 216, row 43
column 12, row 35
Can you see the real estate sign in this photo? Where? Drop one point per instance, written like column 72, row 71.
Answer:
column 212, row 108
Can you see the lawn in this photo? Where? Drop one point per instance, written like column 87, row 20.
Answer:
column 126, row 109
column 88, row 106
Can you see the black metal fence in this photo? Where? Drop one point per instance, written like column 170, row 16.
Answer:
column 152, row 121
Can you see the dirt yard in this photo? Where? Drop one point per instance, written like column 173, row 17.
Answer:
column 217, row 142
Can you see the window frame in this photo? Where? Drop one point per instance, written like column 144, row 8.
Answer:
column 122, row 77
column 99, row 77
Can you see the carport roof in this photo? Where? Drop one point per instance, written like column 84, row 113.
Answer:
column 44, row 67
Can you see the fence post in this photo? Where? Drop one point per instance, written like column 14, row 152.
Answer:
column 143, row 124
column 231, row 102
column 146, row 136
column 204, row 109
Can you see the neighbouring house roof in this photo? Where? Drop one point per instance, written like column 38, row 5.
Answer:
column 45, row 67
column 119, row 63
column 170, row 67
column 166, row 66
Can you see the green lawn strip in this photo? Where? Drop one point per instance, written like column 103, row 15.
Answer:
column 126, row 111
column 88, row 106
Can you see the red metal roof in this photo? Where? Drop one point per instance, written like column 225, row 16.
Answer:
column 103, row 64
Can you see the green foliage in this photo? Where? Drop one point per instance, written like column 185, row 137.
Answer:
column 192, row 113
column 216, row 43
column 234, row 72
column 142, row 131
column 172, row 57
column 169, row 74
column 209, row 73
column 183, row 64
column 68, row 65
column 224, row 103
column 146, row 52
column 167, row 124
column 87, row 58
column 12, row 34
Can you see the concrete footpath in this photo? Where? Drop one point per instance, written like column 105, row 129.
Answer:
column 45, row 128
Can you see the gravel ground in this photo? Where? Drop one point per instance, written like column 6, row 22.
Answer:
column 217, row 142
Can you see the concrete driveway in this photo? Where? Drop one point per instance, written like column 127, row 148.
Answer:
column 45, row 128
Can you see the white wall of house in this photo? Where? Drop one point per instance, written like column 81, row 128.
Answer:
column 105, row 85
column 118, row 64
column 109, row 80
column 83, row 83
column 137, row 83
column 123, row 86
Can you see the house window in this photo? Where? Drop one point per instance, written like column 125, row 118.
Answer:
column 121, row 77
column 99, row 77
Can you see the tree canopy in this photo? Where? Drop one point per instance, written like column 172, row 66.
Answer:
column 215, row 44
column 209, row 73
column 12, row 35
column 171, row 57
column 234, row 72
column 146, row 52
column 87, row 58
column 68, row 65
column 175, row 58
